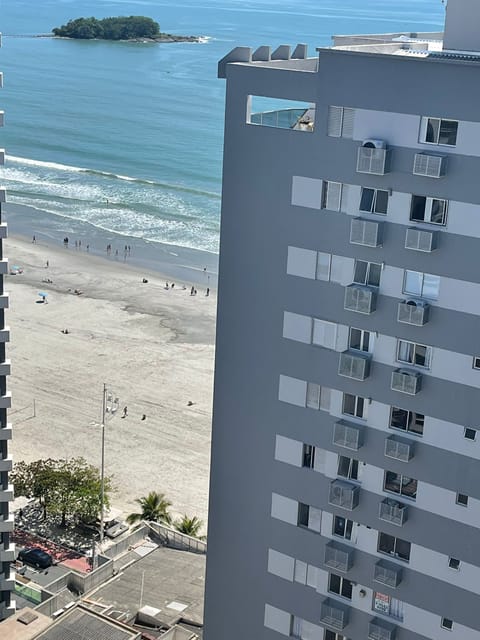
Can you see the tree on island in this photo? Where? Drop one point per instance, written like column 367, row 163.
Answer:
column 68, row 488
column 120, row 28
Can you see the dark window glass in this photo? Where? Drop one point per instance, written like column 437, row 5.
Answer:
column 447, row 623
column 399, row 418
column 308, row 455
column 470, row 434
column 381, row 202
column 349, row 404
column 303, row 514
column 394, row 546
column 342, row 527
column 407, row 420
column 417, row 420
column 402, row 549
column 433, row 127
column 361, row 269
column 453, row 563
column 374, row 274
column 462, row 499
column 448, row 132
column 366, row 200
column 417, row 208
column 439, row 210
column 335, row 583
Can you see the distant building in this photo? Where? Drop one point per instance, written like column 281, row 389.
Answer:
column 7, row 548
column 345, row 481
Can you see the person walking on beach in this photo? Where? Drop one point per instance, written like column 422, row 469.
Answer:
column 208, row 292
column 47, row 264
column 192, row 291
column 125, row 412
column 34, row 240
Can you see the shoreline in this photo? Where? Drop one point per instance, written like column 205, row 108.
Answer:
column 153, row 347
column 173, row 262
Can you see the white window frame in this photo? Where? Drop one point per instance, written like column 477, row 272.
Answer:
column 352, row 525
column 424, row 128
column 467, row 429
column 421, row 293
column 327, row 331
column 332, row 195
column 449, row 627
column 314, row 515
column 357, row 403
column 365, row 336
column 476, row 363
column 320, row 269
column 461, row 503
column 411, row 419
column 428, row 210
column 454, row 564
column 374, row 201
column 353, row 471
column 338, row 126
column 343, row 580
column 306, row 454
column 401, row 477
column 394, row 554
column 366, row 280
column 413, row 347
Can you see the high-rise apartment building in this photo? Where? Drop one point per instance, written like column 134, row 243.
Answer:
column 345, row 483
column 7, row 547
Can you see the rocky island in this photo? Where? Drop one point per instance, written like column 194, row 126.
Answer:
column 131, row 28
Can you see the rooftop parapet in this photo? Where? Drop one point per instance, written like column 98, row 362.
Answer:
column 263, row 55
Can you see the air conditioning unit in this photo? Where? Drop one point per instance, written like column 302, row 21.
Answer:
column 374, row 144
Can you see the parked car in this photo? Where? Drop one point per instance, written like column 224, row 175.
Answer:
column 36, row 557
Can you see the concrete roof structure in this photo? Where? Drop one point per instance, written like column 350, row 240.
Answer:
column 25, row 624
column 169, row 581
column 80, row 623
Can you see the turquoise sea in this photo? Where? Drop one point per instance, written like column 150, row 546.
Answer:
column 127, row 138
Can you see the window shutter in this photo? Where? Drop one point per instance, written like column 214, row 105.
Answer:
column 335, row 118
column 325, row 399
column 333, row 198
column 348, row 122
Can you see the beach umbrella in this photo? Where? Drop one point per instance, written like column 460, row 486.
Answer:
column 42, row 294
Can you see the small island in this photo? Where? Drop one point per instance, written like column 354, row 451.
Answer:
column 131, row 28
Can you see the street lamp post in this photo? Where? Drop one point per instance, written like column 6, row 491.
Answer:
column 109, row 407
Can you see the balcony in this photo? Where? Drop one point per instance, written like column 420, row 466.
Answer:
column 334, row 614
column 367, row 233
column 343, row 494
column 388, row 573
column 360, row 298
column 6, row 523
column 354, row 364
column 300, row 119
column 338, row 556
column 415, row 312
column 347, row 435
column 399, row 448
column 381, row 630
column 6, row 464
column 372, row 160
column 6, row 432
column 429, row 166
column 420, row 240
column 405, row 381
column 7, row 580
column 393, row 512
column 7, row 554
column 6, row 493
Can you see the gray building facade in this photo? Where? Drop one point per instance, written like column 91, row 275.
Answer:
column 7, row 547
column 345, row 481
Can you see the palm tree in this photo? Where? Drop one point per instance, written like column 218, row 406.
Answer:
column 189, row 526
column 154, row 508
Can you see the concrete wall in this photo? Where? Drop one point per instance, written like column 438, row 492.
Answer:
column 261, row 219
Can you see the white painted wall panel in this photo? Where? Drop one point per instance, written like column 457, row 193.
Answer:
column 292, row 390
column 442, row 501
column 306, row 192
column 297, row 327
column 463, row 218
column 342, row 270
column 288, row 450
column 281, row 565
column 397, row 129
column 302, row 262
column 277, row 620
column 284, row 509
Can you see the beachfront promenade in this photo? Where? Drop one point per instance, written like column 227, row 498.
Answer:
column 154, row 347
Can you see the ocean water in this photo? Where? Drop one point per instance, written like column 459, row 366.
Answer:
column 127, row 137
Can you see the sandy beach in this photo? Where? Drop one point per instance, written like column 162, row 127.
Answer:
column 153, row 347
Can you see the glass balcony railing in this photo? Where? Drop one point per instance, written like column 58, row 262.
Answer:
column 298, row 119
